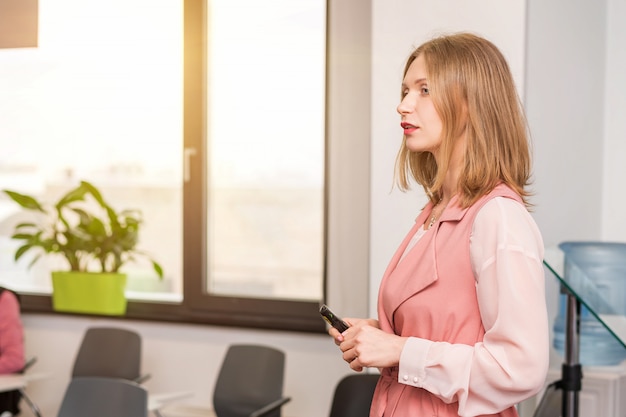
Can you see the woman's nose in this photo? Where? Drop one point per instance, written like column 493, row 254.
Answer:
column 403, row 107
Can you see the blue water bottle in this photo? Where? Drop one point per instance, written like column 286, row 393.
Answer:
column 604, row 263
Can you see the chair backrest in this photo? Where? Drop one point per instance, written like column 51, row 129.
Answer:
column 104, row 397
column 251, row 376
column 353, row 395
column 109, row 352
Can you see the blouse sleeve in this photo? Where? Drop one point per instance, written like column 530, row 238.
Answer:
column 511, row 362
column 11, row 334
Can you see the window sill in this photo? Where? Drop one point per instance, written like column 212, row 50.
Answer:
column 307, row 320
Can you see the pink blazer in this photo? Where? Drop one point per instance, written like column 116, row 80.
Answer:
column 431, row 294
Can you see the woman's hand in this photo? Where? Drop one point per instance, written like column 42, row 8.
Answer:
column 365, row 345
column 338, row 337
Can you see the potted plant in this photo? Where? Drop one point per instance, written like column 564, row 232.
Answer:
column 94, row 239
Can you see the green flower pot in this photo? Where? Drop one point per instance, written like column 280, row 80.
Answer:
column 89, row 293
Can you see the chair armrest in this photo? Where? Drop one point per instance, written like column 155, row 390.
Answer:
column 270, row 407
column 157, row 401
column 142, row 378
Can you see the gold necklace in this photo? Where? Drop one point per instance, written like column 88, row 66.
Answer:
column 434, row 215
column 432, row 221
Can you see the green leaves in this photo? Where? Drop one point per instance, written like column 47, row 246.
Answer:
column 83, row 228
column 25, row 201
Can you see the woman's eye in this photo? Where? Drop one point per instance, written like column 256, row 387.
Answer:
column 425, row 91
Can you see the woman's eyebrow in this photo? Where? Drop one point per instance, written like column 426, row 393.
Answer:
column 416, row 82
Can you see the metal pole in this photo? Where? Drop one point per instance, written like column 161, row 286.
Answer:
column 572, row 370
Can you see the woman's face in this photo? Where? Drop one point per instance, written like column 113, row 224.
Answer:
column 421, row 124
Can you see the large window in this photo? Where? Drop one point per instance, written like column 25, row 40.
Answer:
column 100, row 98
column 265, row 148
column 211, row 117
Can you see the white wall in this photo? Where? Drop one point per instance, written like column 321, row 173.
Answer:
column 565, row 103
column 571, row 189
column 614, row 157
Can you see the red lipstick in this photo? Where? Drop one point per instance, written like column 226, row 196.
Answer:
column 408, row 128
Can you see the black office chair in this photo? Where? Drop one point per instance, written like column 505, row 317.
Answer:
column 250, row 382
column 353, row 395
column 104, row 397
column 110, row 352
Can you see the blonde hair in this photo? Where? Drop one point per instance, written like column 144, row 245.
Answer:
column 472, row 90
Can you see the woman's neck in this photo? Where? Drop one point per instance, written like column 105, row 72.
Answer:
column 451, row 181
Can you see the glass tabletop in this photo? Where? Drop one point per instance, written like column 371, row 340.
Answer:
column 606, row 306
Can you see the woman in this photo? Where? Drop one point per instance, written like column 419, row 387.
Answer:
column 462, row 326
column 11, row 347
